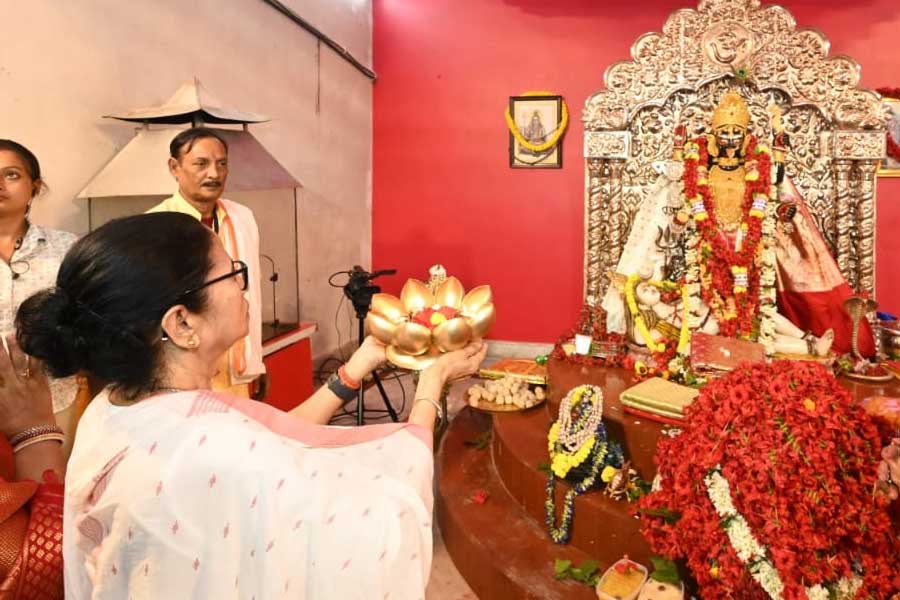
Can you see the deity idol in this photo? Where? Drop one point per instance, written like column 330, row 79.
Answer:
column 747, row 240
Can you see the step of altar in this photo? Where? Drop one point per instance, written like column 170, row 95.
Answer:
column 501, row 551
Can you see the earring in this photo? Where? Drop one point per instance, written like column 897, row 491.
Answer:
column 193, row 341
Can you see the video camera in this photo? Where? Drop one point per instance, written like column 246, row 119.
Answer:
column 359, row 290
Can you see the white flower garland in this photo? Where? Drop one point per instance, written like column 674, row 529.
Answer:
column 754, row 554
column 692, row 277
column 767, row 307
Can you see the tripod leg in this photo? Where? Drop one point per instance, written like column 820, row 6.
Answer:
column 387, row 403
column 361, row 402
column 361, row 405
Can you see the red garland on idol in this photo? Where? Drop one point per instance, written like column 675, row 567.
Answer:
column 730, row 278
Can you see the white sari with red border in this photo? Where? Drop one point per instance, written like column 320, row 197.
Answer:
column 203, row 495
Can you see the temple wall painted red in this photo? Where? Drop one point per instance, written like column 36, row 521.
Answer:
column 442, row 188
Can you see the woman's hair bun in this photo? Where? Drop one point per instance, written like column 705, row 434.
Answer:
column 113, row 288
column 47, row 327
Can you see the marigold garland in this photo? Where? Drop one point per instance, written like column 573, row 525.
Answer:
column 663, row 352
column 577, row 440
column 554, row 137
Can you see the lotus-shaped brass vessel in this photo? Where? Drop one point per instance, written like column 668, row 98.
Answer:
column 429, row 319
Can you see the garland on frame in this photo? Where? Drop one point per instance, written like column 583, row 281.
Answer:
column 554, row 137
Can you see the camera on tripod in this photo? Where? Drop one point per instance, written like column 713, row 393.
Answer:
column 359, row 290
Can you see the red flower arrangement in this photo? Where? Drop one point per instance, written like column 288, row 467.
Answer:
column 735, row 305
column 800, row 459
column 592, row 322
column 432, row 317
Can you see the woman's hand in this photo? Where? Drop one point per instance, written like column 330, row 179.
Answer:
column 368, row 357
column 460, row 363
column 25, row 399
column 448, row 367
column 889, row 469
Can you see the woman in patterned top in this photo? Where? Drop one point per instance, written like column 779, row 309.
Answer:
column 30, row 255
column 32, row 462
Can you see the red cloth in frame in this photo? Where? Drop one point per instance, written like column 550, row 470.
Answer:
column 31, row 529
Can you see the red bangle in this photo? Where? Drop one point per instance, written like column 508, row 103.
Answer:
column 346, row 380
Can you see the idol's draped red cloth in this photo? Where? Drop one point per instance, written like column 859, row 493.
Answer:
column 810, row 287
column 31, row 526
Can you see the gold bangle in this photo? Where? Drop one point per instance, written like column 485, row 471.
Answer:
column 56, row 437
column 440, row 411
column 27, row 434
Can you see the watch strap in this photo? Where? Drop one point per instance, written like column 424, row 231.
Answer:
column 342, row 391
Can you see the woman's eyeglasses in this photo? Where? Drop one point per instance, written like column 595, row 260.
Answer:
column 240, row 268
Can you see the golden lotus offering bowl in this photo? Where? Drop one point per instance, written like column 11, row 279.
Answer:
column 429, row 319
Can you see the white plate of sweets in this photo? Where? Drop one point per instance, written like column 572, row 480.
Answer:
column 506, row 394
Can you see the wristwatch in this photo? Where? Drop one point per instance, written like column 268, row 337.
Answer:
column 342, row 391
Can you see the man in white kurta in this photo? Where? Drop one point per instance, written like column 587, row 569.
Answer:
column 199, row 164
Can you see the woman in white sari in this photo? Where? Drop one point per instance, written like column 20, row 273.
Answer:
column 174, row 491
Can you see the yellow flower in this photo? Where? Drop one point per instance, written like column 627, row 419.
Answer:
column 714, row 571
column 552, row 437
column 608, row 473
column 809, row 404
column 562, row 463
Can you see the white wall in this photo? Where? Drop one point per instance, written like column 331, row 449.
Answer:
column 64, row 63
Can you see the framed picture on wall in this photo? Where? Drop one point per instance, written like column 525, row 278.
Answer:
column 890, row 166
column 537, row 121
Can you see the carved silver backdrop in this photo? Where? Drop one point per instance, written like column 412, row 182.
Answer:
column 678, row 76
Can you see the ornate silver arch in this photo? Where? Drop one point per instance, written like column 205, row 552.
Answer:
column 837, row 129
